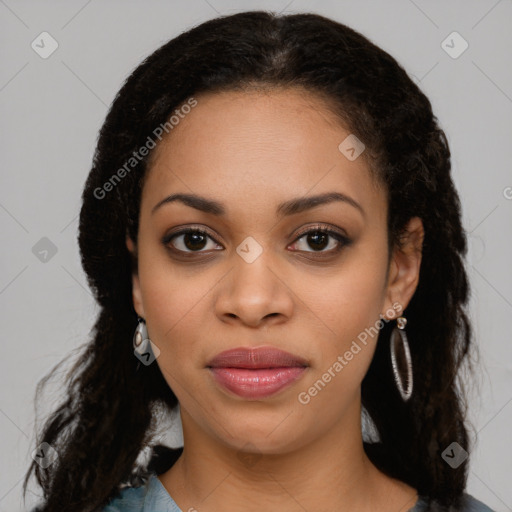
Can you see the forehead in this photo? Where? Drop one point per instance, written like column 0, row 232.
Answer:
column 257, row 146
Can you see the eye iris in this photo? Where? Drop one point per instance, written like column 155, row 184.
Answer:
column 318, row 238
column 196, row 237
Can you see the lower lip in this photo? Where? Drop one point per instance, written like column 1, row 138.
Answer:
column 257, row 383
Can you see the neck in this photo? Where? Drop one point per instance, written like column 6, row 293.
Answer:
column 332, row 472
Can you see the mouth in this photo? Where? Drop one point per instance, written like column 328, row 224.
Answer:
column 256, row 373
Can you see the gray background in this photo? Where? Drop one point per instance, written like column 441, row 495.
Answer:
column 51, row 110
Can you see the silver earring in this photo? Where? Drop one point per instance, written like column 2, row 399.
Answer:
column 398, row 337
column 140, row 337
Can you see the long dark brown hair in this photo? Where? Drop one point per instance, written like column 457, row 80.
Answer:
column 111, row 406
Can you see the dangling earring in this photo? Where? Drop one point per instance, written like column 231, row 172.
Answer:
column 140, row 337
column 398, row 337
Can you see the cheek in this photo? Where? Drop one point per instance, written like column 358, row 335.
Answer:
column 174, row 301
column 173, row 325
column 166, row 291
column 346, row 309
column 171, row 312
column 350, row 300
column 345, row 348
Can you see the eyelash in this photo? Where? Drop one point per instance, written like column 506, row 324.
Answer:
column 342, row 240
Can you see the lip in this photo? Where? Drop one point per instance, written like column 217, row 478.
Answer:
column 253, row 373
column 254, row 358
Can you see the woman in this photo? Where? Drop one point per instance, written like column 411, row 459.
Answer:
column 273, row 236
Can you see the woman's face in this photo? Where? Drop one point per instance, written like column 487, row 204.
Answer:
column 256, row 279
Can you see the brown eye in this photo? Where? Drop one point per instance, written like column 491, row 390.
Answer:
column 189, row 240
column 319, row 239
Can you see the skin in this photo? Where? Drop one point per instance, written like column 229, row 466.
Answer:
column 251, row 151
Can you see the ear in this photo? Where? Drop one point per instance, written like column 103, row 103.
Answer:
column 404, row 267
column 136, row 292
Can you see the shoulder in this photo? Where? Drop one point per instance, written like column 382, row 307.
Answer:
column 150, row 497
column 469, row 504
column 130, row 499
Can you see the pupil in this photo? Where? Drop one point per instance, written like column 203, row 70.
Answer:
column 318, row 235
column 195, row 237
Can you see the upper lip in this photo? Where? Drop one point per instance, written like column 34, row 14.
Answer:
column 258, row 357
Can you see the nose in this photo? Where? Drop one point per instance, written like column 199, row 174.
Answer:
column 254, row 293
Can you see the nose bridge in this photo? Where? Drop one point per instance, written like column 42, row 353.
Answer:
column 254, row 289
column 253, row 272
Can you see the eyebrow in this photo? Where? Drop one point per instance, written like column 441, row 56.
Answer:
column 290, row 207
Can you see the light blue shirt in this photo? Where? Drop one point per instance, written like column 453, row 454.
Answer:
column 153, row 497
